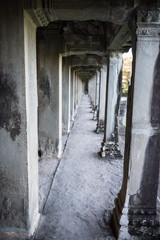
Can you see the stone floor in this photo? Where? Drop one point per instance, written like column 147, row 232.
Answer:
column 81, row 186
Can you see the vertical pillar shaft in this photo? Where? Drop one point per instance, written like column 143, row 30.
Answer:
column 92, row 91
column 96, row 109
column 18, row 120
column 66, row 95
column 75, row 91
column 50, row 92
column 102, row 97
column 72, row 93
column 136, row 203
column 113, row 93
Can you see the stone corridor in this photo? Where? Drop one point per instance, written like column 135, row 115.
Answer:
column 52, row 54
column 84, row 186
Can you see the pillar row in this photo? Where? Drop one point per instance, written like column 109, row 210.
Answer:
column 135, row 210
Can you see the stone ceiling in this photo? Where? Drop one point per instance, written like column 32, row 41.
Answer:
column 90, row 29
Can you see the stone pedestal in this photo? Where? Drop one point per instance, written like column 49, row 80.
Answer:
column 102, row 97
column 66, row 94
column 50, row 92
column 135, row 212
column 18, row 121
column 113, row 93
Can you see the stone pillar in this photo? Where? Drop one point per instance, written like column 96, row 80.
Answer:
column 113, row 93
column 102, row 97
column 78, row 90
column 66, row 86
column 96, row 109
column 50, row 92
column 135, row 210
column 75, row 91
column 92, row 91
column 72, row 94
column 18, row 122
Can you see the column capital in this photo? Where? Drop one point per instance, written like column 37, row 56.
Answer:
column 115, row 55
column 148, row 23
column 148, row 16
column 104, row 68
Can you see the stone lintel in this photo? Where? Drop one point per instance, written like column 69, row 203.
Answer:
column 81, row 10
column 38, row 16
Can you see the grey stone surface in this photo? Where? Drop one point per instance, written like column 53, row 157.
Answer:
column 18, row 137
column 66, row 94
column 136, row 206
column 113, row 94
column 84, row 187
column 47, row 169
column 102, row 99
column 50, row 92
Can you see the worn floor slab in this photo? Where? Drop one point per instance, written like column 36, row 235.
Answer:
column 84, row 186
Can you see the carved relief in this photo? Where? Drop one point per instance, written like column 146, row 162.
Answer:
column 38, row 17
column 148, row 23
column 148, row 32
column 47, row 146
column 148, row 16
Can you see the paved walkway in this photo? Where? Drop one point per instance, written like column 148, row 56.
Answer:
column 84, row 186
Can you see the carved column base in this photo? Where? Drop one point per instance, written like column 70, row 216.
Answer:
column 95, row 115
column 103, row 150
column 141, row 223
column 93, row 108
column 110, row 150
column 100, row 126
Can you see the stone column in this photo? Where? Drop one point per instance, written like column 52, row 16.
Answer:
column 96, row 109
column 50, row 92
column 18, row 122
column 92, row 91
column 78, row 90
column 66, row 87
column 102, row 97
column 75, row 91
column 113, row 93
column 72, row 94
column 135, row 210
